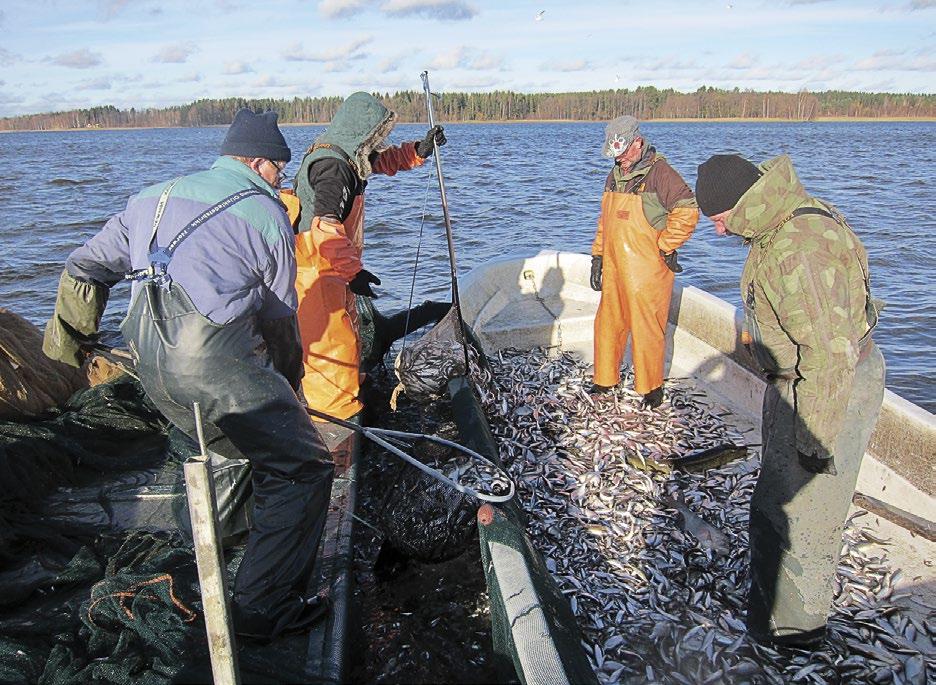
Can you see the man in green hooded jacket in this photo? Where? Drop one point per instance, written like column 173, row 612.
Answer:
column 809, row 317
column 329, row 247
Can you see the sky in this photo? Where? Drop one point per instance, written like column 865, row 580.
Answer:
column 63, row 54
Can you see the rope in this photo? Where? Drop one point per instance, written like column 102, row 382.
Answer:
column 422, row 222
column 135, row 589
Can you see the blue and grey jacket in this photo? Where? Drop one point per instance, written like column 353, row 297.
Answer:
column 240, row 263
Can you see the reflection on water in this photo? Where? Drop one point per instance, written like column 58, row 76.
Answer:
column 512, row 188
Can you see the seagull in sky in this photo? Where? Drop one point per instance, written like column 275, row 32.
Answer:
column 539, row 15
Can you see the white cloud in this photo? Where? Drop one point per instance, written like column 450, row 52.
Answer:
column 341, row 8
column 78, row 59
column 352, row 50
column 194, row 77
column 894, row 60
column 103, row 83
column 10, row 99
column 477, row 82
column 452, row 10
column 267, row 81
column 742, row 61
column 921, row 4
column 571, row 65
column 466, row 58
column 175, row 54
column 111, row 8
column 823, row 62
column 7, row 58
column 234, row 68
column 668, row 64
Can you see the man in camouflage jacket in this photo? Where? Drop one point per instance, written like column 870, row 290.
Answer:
column 809, row 316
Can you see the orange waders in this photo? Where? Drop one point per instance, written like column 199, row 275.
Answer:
column 635, row 294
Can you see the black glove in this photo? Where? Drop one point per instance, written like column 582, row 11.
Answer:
column 815, row 464
column 360, row 284
column 596, row 273
column 671, row 261
column 424, row 147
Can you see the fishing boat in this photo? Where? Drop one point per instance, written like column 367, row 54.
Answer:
column 544, row 301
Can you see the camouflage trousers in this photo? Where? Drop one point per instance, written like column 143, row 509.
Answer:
column 797, row 516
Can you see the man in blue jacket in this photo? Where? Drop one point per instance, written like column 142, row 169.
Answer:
column 212, row 319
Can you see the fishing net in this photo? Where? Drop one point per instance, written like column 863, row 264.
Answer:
column 420, row 516
column 104, row 430
column 425, row 367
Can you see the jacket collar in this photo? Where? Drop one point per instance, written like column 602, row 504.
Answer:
column 769, row 202
column 240, row 169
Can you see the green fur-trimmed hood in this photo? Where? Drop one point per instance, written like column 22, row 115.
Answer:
column 359, row 126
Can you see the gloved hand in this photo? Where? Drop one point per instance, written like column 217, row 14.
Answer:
column 424, row 147
column 360, row 284
column 816, row 464
column 79, row 306
column 671, row 261
column 596, row 273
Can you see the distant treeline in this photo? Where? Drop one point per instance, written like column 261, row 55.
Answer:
column 644, row 103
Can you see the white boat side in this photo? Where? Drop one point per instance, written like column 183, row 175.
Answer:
column 545, row 300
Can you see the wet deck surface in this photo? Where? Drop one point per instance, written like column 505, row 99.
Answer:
column 660, row 602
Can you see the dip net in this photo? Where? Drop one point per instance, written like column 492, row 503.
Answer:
column 420, row 516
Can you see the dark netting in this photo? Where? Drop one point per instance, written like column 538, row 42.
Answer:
column 378, row 332
column 422, row 517
column 108, row 429
column 426, row 366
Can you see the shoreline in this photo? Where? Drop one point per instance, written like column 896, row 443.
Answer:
column 687, row 120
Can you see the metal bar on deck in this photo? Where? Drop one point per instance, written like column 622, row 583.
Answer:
column 212, row 578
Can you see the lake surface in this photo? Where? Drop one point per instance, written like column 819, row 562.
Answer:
column 512, row 188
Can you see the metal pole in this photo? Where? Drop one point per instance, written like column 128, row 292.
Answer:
column 448, row 222
column 203, row 507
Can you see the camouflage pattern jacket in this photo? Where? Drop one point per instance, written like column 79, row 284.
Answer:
column 806, row 296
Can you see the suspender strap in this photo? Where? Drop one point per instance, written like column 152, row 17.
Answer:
column 813, row 210
column 871, row 311
column 161, row 256
column 212, row 211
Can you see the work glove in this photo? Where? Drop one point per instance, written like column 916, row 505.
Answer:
column 360, row 284
column 79, row 306
column 424, row 147
column 596, row 273
column 816, row 464
column 671, row 261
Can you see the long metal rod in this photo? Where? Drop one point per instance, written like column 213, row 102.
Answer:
column 377, row 435
column 212, row 578
column 448, row 223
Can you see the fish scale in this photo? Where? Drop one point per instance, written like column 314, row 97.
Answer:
column 656, row 584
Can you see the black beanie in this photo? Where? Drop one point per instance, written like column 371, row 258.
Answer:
column 721, row 182
column 256, row 135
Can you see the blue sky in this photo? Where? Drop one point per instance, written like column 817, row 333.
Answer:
column 64, row 54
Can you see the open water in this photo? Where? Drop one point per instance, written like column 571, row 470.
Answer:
column 512, row 188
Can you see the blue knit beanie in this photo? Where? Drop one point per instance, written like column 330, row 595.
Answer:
column 256, row 135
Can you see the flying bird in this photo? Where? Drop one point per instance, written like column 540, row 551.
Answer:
column 539, row 15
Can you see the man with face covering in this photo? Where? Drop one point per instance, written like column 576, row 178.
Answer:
column 647, row 212
column 809, row 316
column 329, row 248
column 212, row 320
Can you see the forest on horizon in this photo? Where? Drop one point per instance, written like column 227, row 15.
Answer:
column 646, row 102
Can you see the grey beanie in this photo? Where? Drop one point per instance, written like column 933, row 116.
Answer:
column 256, row 135
column 619, row 133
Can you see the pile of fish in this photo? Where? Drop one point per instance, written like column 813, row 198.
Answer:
column 655, row 563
